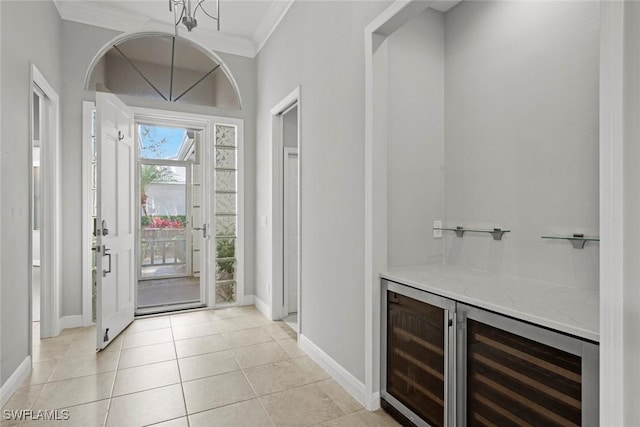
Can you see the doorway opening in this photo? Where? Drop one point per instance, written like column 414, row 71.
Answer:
column 189, row 221
column 36, row 204
column 171, row 227
column 290, row 237
column 286, row 267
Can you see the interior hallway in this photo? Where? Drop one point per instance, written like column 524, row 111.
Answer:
column 227, row 367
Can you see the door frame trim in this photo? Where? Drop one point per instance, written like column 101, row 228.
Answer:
column 50, row 235
column 207, row 122
column 277, row 178
column 287, row 152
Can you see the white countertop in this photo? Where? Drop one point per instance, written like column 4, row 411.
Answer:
column 569, row 310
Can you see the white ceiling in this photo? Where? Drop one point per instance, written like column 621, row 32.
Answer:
column 245, row 25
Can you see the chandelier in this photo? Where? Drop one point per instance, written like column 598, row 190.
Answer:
column 188, row 13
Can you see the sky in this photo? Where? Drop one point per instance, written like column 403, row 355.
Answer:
column 168, row 150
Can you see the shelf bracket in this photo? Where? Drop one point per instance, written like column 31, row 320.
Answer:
column 578, row 243
column 497, row 233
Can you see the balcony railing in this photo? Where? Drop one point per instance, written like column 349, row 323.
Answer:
column 163, row 246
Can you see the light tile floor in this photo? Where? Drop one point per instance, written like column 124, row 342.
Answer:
column 229, row 367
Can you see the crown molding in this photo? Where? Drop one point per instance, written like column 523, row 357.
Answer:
column 99, row 15
column 219, row 42
column 112, row 18
column 270, row 22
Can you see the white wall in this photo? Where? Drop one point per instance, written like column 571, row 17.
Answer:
column 631, row 215
column 38, row 42
column 522, row 136
column 2, row 179
column 415, row 135
column 80, row 44
column 319, row 46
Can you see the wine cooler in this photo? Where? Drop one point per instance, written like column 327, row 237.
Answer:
column 512, row 373
column 417, row 357
column 445, row 363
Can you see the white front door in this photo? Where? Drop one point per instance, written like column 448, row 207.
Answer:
column 115, row 228
column 291, row 230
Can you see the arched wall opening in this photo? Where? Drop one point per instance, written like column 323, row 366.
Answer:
column 162, row 66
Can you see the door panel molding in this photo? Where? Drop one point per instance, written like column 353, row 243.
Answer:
column 115, row 251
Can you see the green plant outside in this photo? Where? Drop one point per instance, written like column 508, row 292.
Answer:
column 226, row 248
column 225, row 270
column 226, row 263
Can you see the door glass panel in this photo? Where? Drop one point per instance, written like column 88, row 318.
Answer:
column 225, row 204
column 225, row 213
column 225, row 181
column 163, row 237
column 225, row 225
column 225, row 158
column 171, row 217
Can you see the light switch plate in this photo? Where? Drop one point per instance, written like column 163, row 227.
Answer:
column 437, row 234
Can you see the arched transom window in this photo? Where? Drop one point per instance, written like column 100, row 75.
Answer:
column 164, row 67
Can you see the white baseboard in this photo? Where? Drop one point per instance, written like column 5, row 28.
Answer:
column 248, row 300
column 374, row 403
column 68, row 322
column 15, row 381
column 262, row 306
column 350, row 383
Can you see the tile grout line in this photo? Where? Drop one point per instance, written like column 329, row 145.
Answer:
column 184, row 395
column 113, row 385
column 246, row 378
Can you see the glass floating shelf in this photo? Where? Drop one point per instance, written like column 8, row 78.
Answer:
column 496, row 233
column 577, row 240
